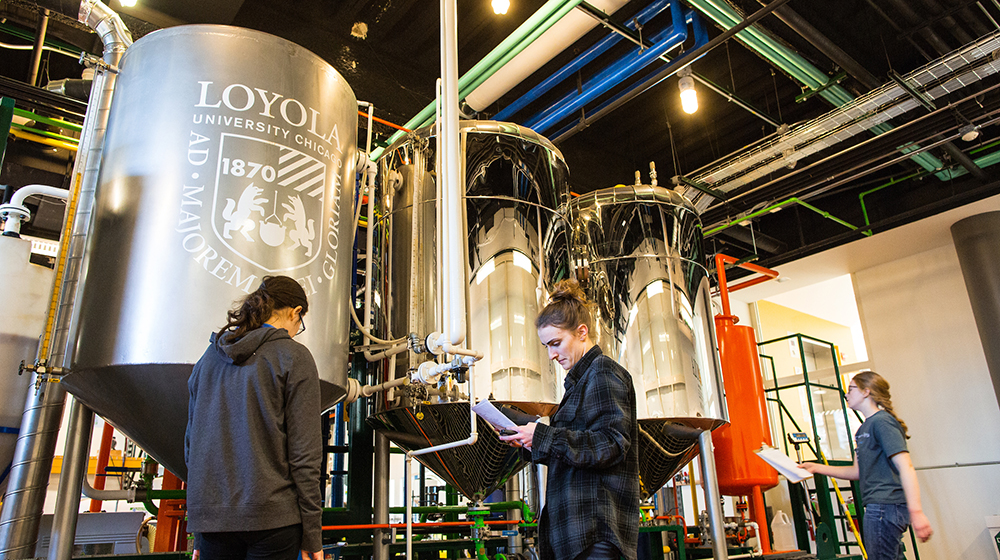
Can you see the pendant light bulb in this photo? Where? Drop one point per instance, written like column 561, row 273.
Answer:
column 500, row 7
column 689, row 96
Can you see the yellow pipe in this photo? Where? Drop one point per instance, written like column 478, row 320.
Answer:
column 43, row 140
column 694, row 495
column 60, row 265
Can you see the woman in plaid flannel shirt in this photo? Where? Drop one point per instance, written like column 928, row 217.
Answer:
column 590, row 444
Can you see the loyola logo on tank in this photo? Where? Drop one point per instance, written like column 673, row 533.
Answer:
column 268, row 203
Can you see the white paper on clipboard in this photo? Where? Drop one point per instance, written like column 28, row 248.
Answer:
column 783, row 464
column 488, row 412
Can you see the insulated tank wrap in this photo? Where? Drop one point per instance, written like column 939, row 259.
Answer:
column 230, row 155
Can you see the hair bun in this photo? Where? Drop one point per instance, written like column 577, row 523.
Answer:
column 568, row 290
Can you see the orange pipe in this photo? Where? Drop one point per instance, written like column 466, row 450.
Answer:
column 385, row 122
column 402, row 525
column 720, row 269
column 669, row 517
column 102, row 464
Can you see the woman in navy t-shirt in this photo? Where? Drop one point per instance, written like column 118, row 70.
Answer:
column 889, row 488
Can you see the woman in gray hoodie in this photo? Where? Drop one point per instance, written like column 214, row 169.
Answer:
column 253, row 444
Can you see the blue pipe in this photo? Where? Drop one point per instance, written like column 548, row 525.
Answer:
column 590, row 54
column 700, row 38
column 613, row 74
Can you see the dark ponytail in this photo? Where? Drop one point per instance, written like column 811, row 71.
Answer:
column 567, row 308
column 274, row 293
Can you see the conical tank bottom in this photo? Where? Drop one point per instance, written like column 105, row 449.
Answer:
column 475, row 470
column 665, row 446
column 149, row 403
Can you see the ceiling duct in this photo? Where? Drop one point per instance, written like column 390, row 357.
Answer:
column 955, row 71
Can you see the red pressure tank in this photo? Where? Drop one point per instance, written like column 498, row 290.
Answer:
column 738, row 468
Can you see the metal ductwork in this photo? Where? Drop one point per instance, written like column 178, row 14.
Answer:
column 937, row 79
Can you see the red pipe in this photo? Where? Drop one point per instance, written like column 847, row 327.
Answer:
column 402, row 525
column 102, row 464
column 720, row 269
column 385, row 122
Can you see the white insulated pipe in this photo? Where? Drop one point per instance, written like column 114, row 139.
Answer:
column 448, row 176
column 15, row 212
column 555, row 40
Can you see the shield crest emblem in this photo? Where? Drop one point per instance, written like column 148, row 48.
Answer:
column 268, row 203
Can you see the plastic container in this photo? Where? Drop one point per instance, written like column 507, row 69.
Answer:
column 784, row 533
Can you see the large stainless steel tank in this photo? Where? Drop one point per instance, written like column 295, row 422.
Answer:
column 26, row 288
column 637, row 250
column 514, row 180
column 230, row 155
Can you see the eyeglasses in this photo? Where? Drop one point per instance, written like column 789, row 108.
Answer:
column 302, row 325
column 854, row 387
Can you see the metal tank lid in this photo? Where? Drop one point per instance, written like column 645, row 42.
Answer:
column 641, row 193
column 485, row 127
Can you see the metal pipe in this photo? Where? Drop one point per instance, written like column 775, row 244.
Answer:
column 74, row 469
column 30, row 468
column 116, row 38
column 713, row 499
column 14, row 212
column 380, row 497
column 36, row 49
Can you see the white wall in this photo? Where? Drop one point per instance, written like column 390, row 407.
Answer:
column 922, row 338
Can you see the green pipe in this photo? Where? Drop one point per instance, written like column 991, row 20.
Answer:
column 861, row 197
column 46, row 120
column 69, row 139
column 795, row 200
column 495, row 506
column 166, row 494
column 543, row 18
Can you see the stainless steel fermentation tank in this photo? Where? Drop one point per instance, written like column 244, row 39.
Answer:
column 514, row 180
column 637, row 251
column 230, row 155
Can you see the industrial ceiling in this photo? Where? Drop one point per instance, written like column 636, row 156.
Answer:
column 821, row 123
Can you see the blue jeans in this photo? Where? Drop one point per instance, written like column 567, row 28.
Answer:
column 600, row 551
column 884, row 525
column 283, row 543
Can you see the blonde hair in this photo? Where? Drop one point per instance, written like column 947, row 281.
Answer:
column 568, row 308
column 879, row 392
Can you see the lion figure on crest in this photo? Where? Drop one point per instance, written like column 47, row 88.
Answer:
column 238, row 215
column 304, row 233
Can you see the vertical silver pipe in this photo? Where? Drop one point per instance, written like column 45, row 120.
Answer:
column 977, row 242
column 37, row 49
column 30, row 468
column 116, row 39
column 511, row 493
column 74, row 468
column 713, row 499
column 380, row 547
column 29, row 476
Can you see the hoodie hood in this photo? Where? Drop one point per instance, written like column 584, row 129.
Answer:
column 240, row 350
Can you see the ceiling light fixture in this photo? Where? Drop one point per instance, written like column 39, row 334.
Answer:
column 127, row 3
column 969, row 132
column 500, row 7
column 689, row 96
